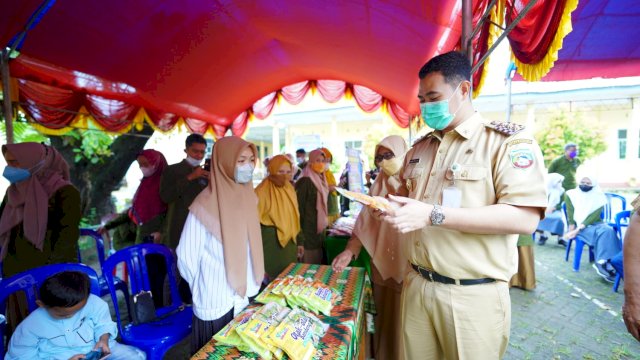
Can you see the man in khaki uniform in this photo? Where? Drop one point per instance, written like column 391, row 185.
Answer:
column 471, row 187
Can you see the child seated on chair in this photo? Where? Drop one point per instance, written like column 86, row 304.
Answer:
column 69, row 323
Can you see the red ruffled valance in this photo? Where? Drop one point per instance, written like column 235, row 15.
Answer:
column 57, row 110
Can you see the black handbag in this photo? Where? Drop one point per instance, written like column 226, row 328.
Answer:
column 144, row 310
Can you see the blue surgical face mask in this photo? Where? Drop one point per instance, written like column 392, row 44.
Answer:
column 436, row 114
column 15, row 175
column 244, row 173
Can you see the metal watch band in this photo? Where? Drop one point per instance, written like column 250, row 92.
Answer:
column 437, row 215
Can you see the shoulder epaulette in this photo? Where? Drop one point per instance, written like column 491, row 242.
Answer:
column 506, row 128
column 423, row 137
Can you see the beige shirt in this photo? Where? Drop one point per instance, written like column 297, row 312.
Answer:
column 494, row 166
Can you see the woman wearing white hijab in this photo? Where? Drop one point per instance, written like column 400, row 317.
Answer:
column 553, row 222
column 220, row 250
column 584, row 206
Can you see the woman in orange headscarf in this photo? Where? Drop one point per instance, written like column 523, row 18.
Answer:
column 381, row 241
column 279, row 217
column 312, row 192
column 220, row 249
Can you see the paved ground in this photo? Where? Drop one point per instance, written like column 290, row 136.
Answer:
column 570, row 315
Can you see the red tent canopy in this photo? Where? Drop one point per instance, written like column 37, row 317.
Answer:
column 212, row 60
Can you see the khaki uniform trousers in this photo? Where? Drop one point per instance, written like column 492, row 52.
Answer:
column 442, row 321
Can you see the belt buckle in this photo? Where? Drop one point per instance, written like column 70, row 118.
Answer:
column 430, row 275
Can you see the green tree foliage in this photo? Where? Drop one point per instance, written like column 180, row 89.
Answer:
column 22, row 131
column 92, row 145
column 555, row 133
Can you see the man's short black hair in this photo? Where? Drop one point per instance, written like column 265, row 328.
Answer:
column 300, row 151
column 65, row 289
column 193, row 139
column 454, row 67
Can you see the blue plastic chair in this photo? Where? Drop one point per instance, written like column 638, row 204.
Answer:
column 615, row 204
column 622, row 220
column 29, row 282
column 580, row 243
column 104, row 289
column 155, row 338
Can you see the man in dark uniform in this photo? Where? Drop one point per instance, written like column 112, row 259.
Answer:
column 566, row 165
column 180, row 184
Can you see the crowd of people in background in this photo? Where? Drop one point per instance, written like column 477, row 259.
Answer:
column 231, row 239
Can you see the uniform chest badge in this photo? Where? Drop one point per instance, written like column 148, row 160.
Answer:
column 521, row 158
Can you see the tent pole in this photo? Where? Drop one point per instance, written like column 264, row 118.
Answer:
column 6, row 96
column 504, row 34
column 467, row 28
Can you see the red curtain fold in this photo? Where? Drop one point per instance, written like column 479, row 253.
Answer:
column 331, row 90
column 531, row 38
column 163, row 120
column 480, row 42
column 197, row 126
column 295, row 93
column 113, row 115
column 263, row 107
column 398, row 115
column 367, row 99
column 49, row 106
column 239, row 125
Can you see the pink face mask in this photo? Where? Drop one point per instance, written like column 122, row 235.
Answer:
column 147, row 171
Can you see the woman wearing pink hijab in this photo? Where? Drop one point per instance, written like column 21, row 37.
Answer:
column 39, row 215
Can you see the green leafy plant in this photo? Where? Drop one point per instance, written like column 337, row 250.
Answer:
column 90, row 145
column 563, row 128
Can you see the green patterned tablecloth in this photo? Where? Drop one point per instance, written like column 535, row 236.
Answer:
column 346, row 323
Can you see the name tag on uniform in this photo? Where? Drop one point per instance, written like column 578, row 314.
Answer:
column 451, row 197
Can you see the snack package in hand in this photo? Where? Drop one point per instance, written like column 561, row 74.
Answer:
column 372, row 202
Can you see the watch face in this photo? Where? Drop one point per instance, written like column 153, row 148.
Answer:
column 437, row 216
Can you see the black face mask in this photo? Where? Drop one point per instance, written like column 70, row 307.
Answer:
column 586, row 188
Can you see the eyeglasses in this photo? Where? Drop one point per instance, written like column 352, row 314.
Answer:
column 385, row 156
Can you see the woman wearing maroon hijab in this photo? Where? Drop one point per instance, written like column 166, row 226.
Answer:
column 148, row 212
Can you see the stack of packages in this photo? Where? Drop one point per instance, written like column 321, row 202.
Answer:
column 273, row 330
column 297, row 291
column 343, row 226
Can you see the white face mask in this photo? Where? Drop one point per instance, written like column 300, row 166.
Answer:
column 193, row 162
column 244, row 173
column 147, row 171
column 326, row 166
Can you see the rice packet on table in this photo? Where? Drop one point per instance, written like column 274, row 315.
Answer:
column 253, row 331
column 228, row 335
column 277, row 288
column 298, row 334
column 267, row 295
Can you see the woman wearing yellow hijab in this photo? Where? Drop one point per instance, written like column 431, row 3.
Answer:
column 279, row 217
column 332, row 203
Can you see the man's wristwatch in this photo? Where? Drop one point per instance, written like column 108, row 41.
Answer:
column 437, row 215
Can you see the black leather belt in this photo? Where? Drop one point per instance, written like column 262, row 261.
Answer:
column 434, row 276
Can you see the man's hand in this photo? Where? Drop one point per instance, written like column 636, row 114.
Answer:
column 198, row 173
column 342, row 260
column 102, row 230
column 409, row 214
column 300, row 253
column 631, row 316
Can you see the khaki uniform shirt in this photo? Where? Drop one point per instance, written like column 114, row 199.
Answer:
column 497, row 164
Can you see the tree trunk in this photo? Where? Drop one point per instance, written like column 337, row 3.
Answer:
column 96, row 182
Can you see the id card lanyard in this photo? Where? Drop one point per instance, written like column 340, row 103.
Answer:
column 451, row 195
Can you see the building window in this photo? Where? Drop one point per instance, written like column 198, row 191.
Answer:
column 622, row 143
column 353, row 144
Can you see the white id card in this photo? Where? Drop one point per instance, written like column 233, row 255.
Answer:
column 451, row 197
